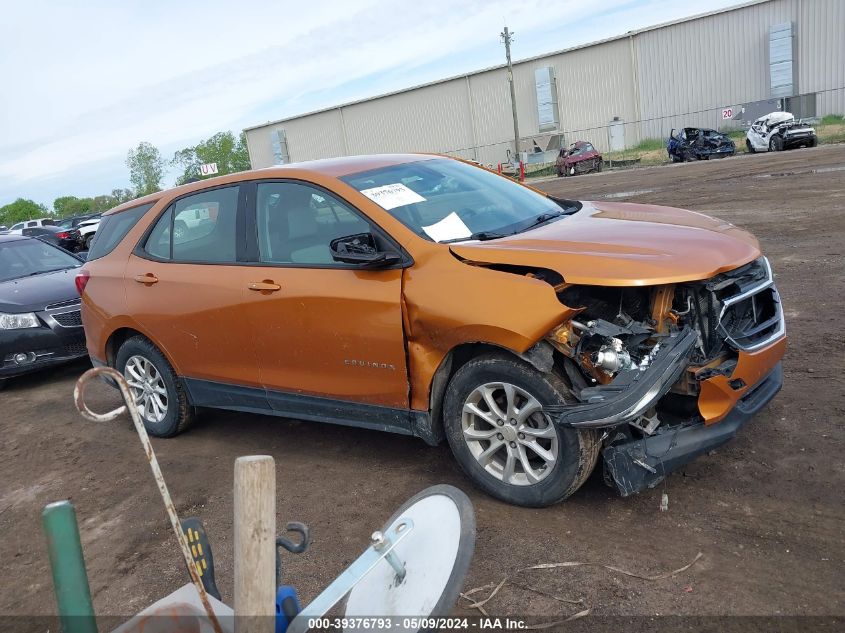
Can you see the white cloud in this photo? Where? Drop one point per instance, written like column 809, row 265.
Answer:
column 93, row 79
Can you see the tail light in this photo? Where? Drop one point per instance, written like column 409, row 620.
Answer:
column 63, row 235
column 82, row 278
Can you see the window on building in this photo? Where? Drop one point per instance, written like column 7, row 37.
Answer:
column 545, row 85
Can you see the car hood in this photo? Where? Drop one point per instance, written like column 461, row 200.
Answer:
column 31, row 294
column 569, row 160
column 622, row 244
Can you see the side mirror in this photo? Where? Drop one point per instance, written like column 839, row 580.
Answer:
column 360, row 249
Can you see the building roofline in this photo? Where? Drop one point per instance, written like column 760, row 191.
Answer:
column 699, row 16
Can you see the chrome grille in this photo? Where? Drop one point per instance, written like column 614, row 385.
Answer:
column 68, row 319
column 63, row 304
column 753, row 317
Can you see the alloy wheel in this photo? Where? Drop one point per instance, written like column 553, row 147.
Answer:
column 148, row 388
column 506, row 431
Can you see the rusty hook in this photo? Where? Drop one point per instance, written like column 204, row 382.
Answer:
column 129, row 405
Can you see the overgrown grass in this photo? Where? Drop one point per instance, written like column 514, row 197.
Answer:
column 832, row 119
column 649, row 145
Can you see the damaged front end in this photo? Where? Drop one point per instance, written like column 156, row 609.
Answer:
column 669, row 372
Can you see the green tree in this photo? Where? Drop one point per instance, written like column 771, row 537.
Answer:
column 67, row 206
column 122, row 195
column 223, row 148
column 146, row 168
column 21, row 209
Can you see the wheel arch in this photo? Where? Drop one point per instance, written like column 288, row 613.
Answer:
column 123, row 334
column 540, row 356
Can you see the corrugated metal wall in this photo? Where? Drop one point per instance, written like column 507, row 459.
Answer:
column 821, row 53
column 690, row 71
column 680, row 74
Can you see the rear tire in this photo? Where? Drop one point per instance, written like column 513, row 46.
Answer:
column 154, row 387
column 483, row 446
column 749, row 147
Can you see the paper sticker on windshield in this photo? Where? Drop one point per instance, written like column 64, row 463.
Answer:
column 449, row 228
column 392, row 196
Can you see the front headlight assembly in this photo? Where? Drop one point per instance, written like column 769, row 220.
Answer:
column 18, row 321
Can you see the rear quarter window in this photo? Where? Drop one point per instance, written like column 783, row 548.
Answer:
column 113, row 228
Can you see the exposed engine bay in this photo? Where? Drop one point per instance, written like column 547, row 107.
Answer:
column 657, row 371
column 636, row 357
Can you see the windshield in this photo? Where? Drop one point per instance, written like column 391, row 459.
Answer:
column 446, row 200
column 23, row 258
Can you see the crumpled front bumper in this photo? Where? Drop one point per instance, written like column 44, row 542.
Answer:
column 640, row 464
column 631, row 393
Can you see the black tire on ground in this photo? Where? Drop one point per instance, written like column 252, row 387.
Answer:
column 776, row 143
column 749, row 147
column 601, row 165
column 578, row 451
column 180, row 413
column 813, row 142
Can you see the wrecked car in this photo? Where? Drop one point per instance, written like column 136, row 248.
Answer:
column 580, row 158
column 692, row 143
column 429, row 297
column 778, row 131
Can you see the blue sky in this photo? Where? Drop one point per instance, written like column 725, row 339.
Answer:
column 82, row 82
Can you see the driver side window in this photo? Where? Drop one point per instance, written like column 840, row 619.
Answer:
column 297, row 222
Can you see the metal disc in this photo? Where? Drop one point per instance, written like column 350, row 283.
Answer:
column 436, row 555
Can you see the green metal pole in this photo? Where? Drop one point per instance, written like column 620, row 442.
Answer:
column 70, row 580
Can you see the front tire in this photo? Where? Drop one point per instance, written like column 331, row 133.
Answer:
column 501, row 439
column 159, row 394
column 775, row 144
column 749, row 147
column 87, row 241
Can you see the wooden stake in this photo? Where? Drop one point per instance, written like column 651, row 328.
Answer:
column 255, row 544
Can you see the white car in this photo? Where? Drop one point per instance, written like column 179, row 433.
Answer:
column 18, row 228
column 778, row 131
column 87, row 229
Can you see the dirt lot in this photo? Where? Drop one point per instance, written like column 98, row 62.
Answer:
column 766, row 511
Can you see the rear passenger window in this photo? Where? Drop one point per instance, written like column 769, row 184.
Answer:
column 113, row 228
column 198, row 228
column 158, row 243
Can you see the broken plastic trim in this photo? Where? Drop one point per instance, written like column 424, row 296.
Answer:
column 632, row 391
column 640, row 464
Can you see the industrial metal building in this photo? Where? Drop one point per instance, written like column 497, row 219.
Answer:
column 714, row 70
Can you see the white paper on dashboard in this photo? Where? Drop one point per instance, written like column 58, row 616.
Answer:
column 449, row 228
column 391, row 196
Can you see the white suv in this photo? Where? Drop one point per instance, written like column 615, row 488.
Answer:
column 18, row 228
column 778, row 131
column 87, row 229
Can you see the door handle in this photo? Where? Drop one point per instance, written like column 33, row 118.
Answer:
column 264, row 286
column 149, row 278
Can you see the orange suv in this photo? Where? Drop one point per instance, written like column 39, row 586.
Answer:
column 426, row 296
